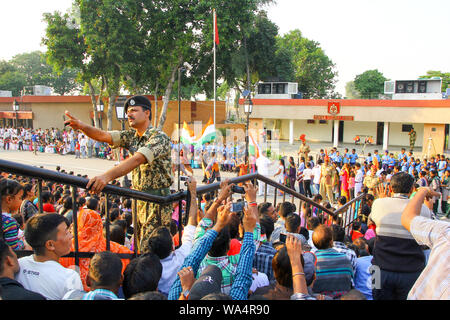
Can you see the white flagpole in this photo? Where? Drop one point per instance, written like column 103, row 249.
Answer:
column 214, row 41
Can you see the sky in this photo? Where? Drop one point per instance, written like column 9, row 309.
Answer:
column 403, row 39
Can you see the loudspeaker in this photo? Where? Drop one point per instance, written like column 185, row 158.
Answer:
column 422, row 87
column 400, row 87
column 410, row 87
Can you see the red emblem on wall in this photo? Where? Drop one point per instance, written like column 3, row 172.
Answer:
column 334, row 108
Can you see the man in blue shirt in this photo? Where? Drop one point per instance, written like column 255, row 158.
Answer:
column 353, row 157
column 338, row 159
column 385, row 160
column 375, row 154
column 404, row 165
column 391, row 161
column 402, row 155
column 34, row 139
column 345, row 158
column 442, row 166
column 369, row 158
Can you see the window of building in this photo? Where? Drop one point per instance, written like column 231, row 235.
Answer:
column 323, row 121
column 311, row 121
column 406, row 127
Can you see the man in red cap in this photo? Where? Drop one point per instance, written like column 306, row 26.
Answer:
column 150, row 163
column 304, row 149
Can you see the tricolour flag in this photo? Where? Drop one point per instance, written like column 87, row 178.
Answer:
column 208, row 133
column 253, row 148
column 187, row 134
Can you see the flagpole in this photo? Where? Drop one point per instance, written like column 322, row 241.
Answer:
column 214, row 41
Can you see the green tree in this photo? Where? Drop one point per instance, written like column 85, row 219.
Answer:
column 314, row 70
column 370, row 84
column 351, row 92
column 11, row 79
column 444, row 75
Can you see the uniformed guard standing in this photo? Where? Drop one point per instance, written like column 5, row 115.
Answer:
column 371, row 181
column 304, row 149
column 412, row 139
column 326, row 180
column 150, row 163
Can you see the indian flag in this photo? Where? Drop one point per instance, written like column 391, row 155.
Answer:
column 187, row 134
column 253, row 148
column 208, row 133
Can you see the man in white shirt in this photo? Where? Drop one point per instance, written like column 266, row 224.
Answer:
column 316, row 176
column 263, row 164
column 83, row 146
column 359, row 177
column 50, row 237
column 160, row 242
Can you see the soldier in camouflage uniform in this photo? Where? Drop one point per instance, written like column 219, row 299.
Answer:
column 412, row 139
column 150, row 164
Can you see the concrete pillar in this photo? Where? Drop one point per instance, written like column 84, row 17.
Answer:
column 386, row 136
column 336, row 133
column 291, row 131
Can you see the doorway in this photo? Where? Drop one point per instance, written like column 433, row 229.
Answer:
column 380, row 133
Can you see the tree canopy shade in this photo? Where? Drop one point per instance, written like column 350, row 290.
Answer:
column 370, row 84
column 30, row 69
column 313, row 69
column 444, row 75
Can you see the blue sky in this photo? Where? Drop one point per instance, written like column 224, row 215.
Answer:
column 401, row 38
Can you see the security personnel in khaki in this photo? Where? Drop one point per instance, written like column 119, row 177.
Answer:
column 304, row 149
column 150, row 162
column 371, row 181
column 326, row 180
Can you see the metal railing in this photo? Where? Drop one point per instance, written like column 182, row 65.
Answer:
column 350, row 212
column 79, row 182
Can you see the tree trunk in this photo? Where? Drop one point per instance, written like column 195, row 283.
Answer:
column 111, row 104
column 166, row 98
column 156, row 103
column 94, row 103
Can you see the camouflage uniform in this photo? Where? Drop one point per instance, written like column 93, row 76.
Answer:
column 153, row 177
column 412, row 140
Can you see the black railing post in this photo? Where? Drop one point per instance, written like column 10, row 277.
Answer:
column 107, row 223
column 265, row 192
column 134, row 215
column 41, row 206
column 275, row 198
column 75, row 223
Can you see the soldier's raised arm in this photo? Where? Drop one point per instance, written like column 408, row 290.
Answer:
column 90, row 131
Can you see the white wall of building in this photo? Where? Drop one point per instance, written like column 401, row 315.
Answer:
column 314, row 132
column 354, row 128
column 399, row 138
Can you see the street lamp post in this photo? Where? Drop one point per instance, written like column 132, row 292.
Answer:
column 121, row 115
column 100, row 108
column 15, row 108
column 248, row 108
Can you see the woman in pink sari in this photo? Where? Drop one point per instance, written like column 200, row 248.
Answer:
column 345, row 178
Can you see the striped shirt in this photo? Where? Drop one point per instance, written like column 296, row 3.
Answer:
column 11, row 232
column 334, row 273
column 100, row 294
column 433, row 282
column 199, row 250
column 243, row 281
column 263, row 259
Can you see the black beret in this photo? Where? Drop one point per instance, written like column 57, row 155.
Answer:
column 138, row 101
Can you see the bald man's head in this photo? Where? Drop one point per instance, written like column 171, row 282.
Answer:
column 323, row 237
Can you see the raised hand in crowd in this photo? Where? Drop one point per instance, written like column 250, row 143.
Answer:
column 187, row 279
column 223, row 217
column 294, row 250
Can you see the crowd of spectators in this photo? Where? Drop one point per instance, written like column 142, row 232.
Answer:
column 56, row 141
column 261, row 252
